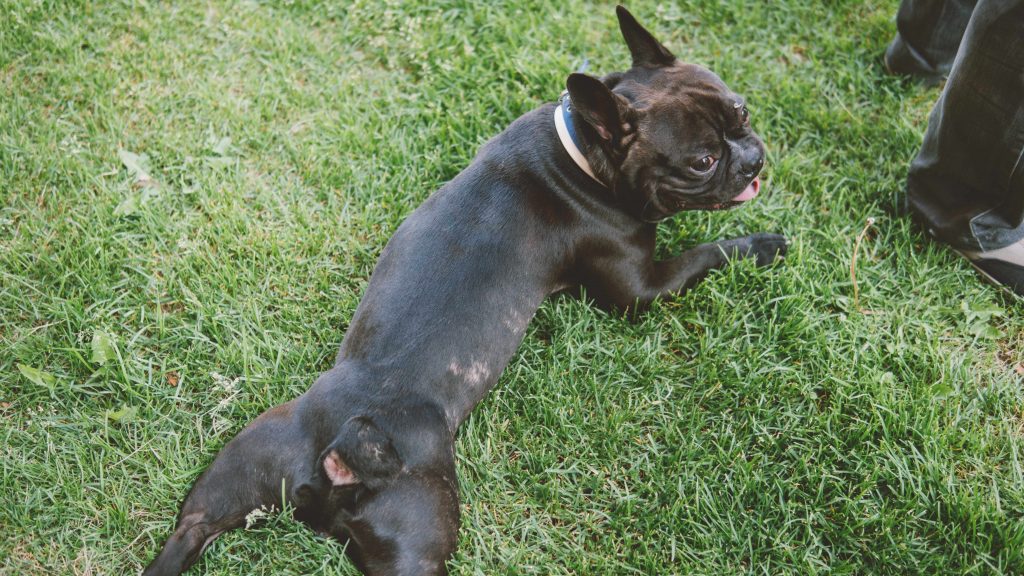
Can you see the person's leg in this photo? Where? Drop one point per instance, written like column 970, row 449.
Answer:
column 967, row 183
column 928, row 33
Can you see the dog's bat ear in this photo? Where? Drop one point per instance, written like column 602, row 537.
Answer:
column 361, row 454
column 646, row 50
column 337, row 471
column 605, row 111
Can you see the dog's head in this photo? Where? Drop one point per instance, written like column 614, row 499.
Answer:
column 386, row 482
column 673, row 136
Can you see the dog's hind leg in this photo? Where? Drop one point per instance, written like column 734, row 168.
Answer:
column 247, row 475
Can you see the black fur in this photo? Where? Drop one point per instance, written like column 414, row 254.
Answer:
column 366, row 454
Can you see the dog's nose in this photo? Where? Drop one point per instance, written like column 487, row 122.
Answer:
column 751, row 168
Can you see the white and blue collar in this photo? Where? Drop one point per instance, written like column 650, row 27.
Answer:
column 567, row 134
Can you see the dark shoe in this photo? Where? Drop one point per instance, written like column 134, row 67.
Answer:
column 900, row 60
column 1003, row 267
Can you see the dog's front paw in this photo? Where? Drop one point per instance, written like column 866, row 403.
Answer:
column 766, row 248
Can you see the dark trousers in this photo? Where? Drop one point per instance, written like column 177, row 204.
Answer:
column 967, row 182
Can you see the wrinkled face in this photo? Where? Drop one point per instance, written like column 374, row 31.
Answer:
column 694, row 148
column 673, row 136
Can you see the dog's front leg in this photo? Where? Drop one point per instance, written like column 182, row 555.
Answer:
column 629, row 283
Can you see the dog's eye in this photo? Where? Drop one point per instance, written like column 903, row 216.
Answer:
column 704, row 164
column 744, row 115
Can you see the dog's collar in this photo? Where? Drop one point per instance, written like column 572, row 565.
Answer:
column 567, row 135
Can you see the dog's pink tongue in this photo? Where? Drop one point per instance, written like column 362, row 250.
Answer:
column 750, row 192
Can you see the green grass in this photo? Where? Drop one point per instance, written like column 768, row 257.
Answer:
column 764, row 423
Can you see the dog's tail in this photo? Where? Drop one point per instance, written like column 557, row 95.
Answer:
column 247, row 475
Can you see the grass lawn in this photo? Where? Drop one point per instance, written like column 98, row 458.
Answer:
column 193, row 195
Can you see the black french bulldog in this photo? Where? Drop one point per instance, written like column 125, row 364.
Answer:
column 567, row 196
